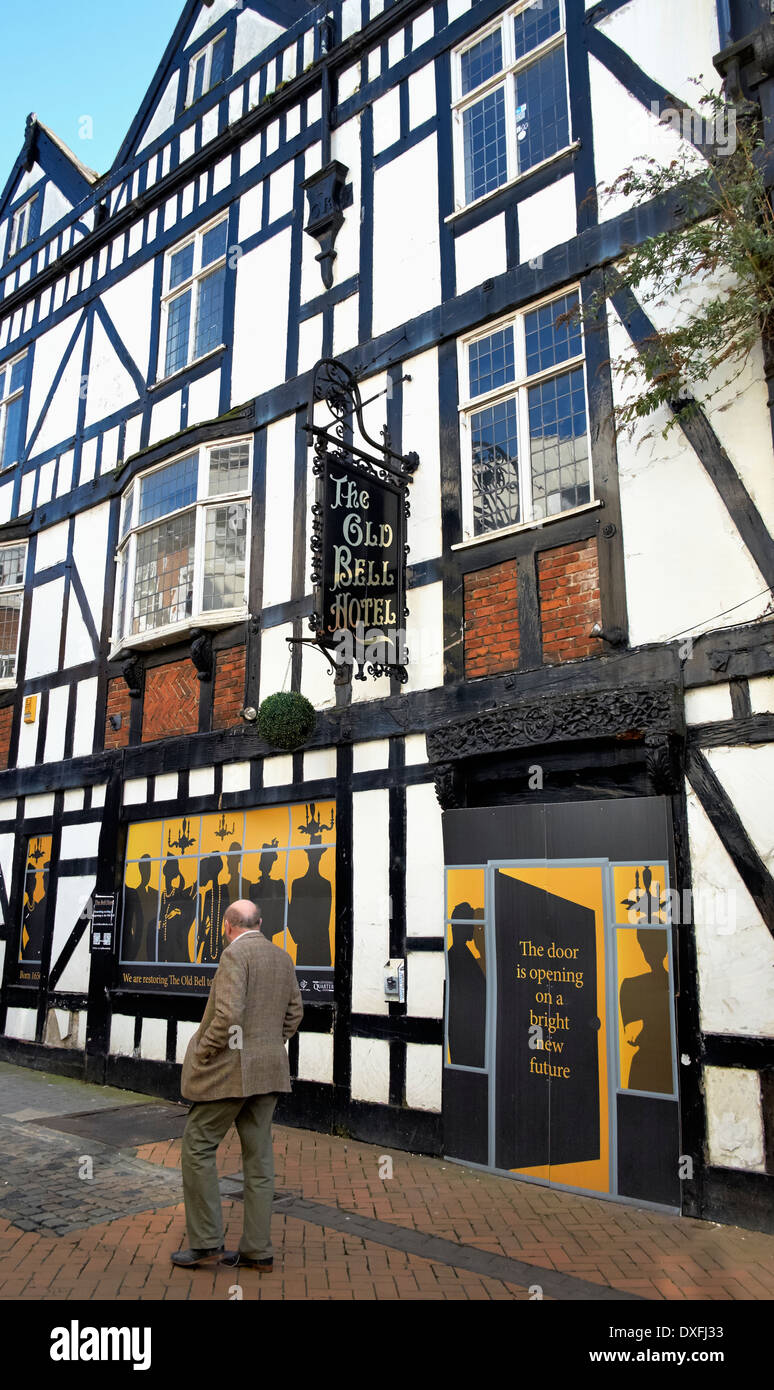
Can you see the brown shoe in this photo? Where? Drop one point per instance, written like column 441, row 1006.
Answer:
column 234, row 1259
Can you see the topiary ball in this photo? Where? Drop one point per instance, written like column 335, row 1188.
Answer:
column 286, row 720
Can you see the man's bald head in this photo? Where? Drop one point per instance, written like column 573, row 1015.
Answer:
column 241, row 916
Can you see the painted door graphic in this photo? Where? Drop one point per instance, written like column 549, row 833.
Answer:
column 547, row 1062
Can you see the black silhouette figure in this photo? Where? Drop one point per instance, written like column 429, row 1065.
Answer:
column 177, row 914
column 140, row 907
column 309, row 912
column 646, row 997
column 269, row 893
column 467, row 992
column 34, row 915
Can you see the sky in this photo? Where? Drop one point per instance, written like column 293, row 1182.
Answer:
column 67, row 59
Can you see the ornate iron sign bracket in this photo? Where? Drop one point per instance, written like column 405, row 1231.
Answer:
column 358, row 542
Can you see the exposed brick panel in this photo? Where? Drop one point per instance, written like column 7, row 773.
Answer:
column 568, row 586
column 491, row 620
column 118, row 702
column 171, row 703
column 6, row 720
column 229, row 696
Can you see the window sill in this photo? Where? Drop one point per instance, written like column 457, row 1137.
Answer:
column 7, row 683
column 163, row 380
column 176, row 632
column 512, row 183
column 528, row 525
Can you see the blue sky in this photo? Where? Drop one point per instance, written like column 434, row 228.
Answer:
column 65, row 59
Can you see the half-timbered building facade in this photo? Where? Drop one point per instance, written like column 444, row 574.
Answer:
column 553, row 838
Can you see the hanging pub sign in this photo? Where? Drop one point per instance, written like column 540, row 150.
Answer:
column 359, row 532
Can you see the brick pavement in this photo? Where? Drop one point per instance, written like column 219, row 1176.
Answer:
column 638, row 1252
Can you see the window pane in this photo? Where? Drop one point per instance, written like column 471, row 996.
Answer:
column 2, row 385
column 229, row 469
column 495, row 467
column 209, row 317
column 12, row 432
column 169, row 489
column 12, row 565
column 549, row 342
column 481, row 61
column 18, row 375
column 10, row 617
column 163, row 584
column 536, row 24
column 543, row 125
column 218, row 70
column 214, row 243
column 224, row 557
column 178, row 327
column 181, row 266
column 198, row 85
column 491, row 361
column 122, row 624
column 559, row 453
column 486, row 160
column 126, row 513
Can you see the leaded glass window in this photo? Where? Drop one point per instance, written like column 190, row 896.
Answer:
column 194, row 299
column 12, row 564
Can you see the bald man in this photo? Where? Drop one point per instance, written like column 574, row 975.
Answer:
column 235, row 1066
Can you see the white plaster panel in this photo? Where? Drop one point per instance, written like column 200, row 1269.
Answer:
column 345, row 145
column 254, row 33
column 281, row 191
column 278, row 772
column 236, row 777
column 62, row 414
column 261, row 297
column 345, row 324
column 7, row 843
column 735, row 951
column 547, row 219
column 480, row 253
column 424, row 998
column 747, row 774
column 250, row 212
column 185, row 1031
column 424, row 862
column 74, row 800
column 641, row 31
column 135, row 790
column 85, row 715
column 153, row 1039
column 163, row 114
column 423, row 1076
column 72, row 895
column 708, row 703
column 351, row 18
column 201, row 781
column 371, row 865
column 89, row 552
column 26, row 752
column 386, row 113
column 416, row 749
column 52, row 546
column 38, row 807
column 310, row 335
column 319, row 763
column 316, row 684
column 58, row 700
column 165, row 418
column 762, row 694
column 371, row 1070
column 109, row 386
column 204, row 398
column 121, row 1035
column 370, row 756
column 409, row 281
column 421, row 433
column 20, row 1023
column 278, row 531
column 734, row 1118
column 421, row 87
column 165, row 786
column 98, row 795
column 315, row 1057
column 424, row 637
column 80, row 841
column 130, row 305
column 274, row 659
column 45, row 623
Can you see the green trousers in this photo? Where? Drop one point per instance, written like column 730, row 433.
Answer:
column 208, row 1123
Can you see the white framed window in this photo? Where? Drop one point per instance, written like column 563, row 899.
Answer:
column 13, row 560
column 510, row 98
column 207, row 68
column 21, row 226
column 184, row 542
column 524, row 418
column 13, row 382
column 193, row 297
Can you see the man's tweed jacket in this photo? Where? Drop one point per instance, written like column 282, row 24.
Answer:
column 254, row 1004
